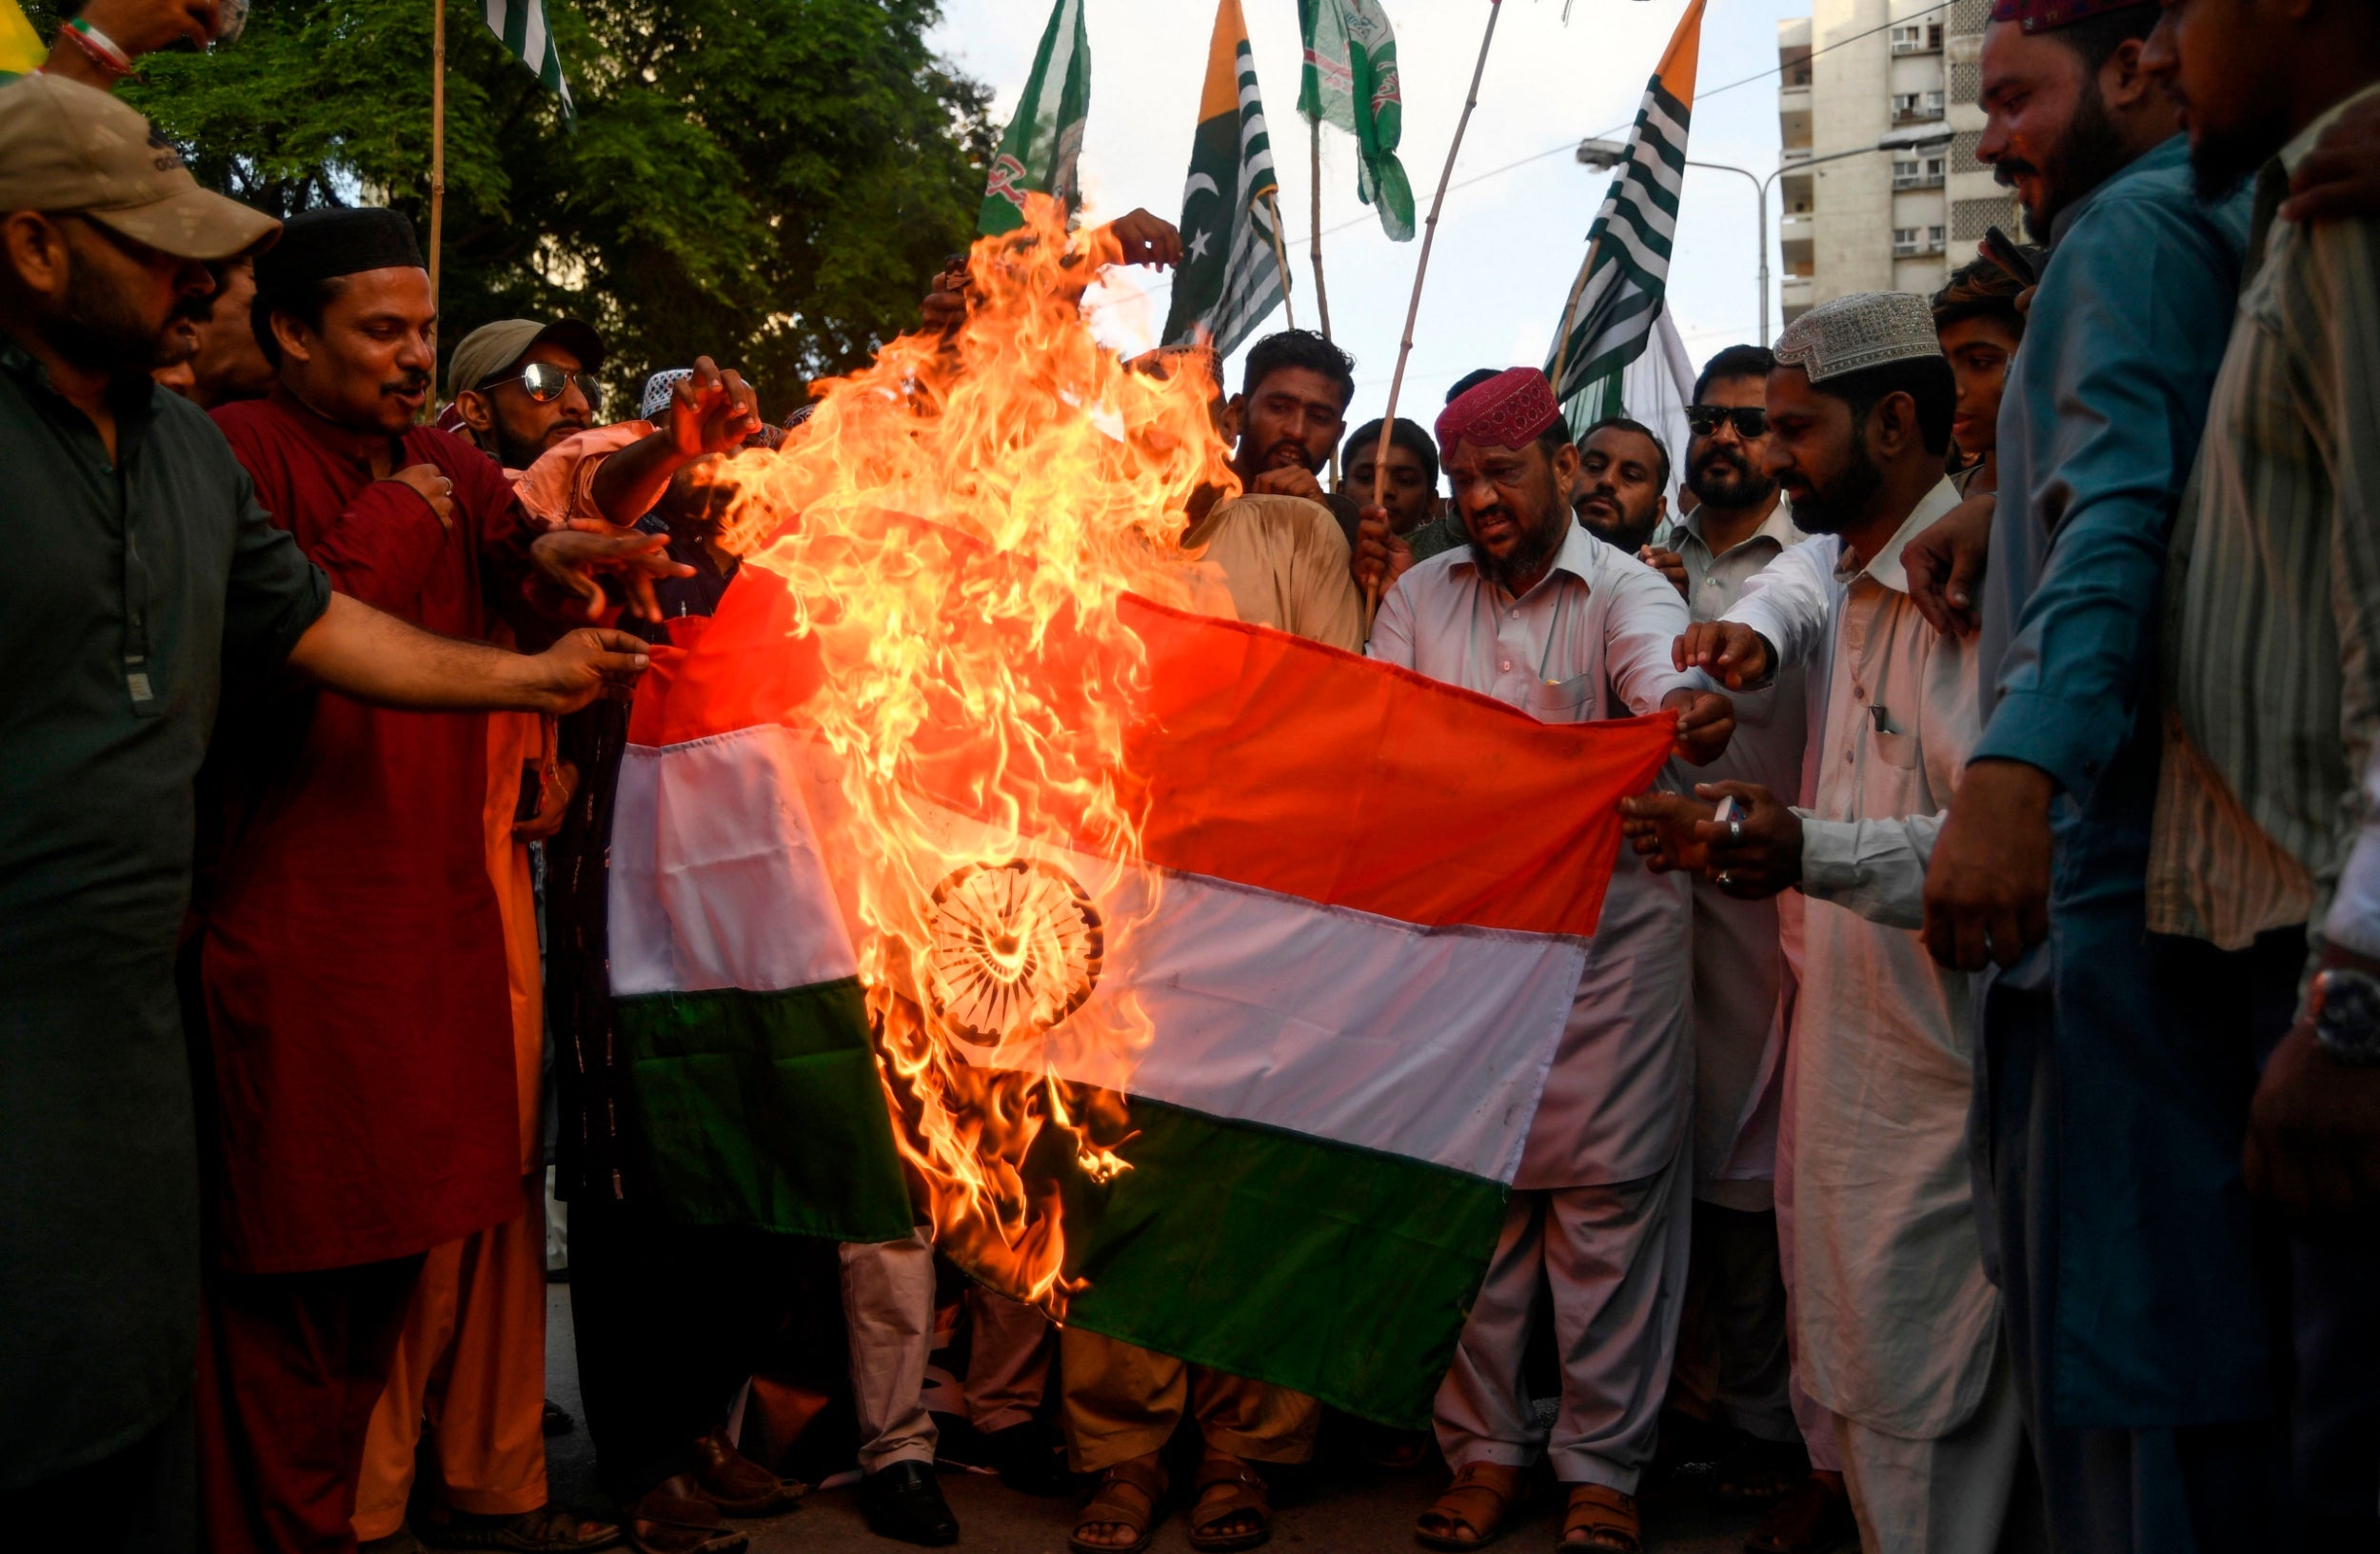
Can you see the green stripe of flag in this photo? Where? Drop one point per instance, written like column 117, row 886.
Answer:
column 1329, row 1270
column 764, row 1110
column 1621, row 293
column 519, row 25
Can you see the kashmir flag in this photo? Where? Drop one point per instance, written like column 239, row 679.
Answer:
column 1351, row 81
column 1353, row 991
column 520, row 26
column 1044, row 141
column 1621, row 288
column 21, row 53
column 1229, row 277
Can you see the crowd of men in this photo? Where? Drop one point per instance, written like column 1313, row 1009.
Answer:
column 1966, row 1133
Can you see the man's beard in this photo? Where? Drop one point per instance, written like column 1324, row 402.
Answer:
column 1528, row 559
column 1623, row 534
column 1844, row 502
column 2220, row 163
column 514, row 454
column 1743, row 486
column 2090, row 153
column 96, row 329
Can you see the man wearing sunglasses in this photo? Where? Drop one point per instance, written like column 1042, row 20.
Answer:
column 521, row 387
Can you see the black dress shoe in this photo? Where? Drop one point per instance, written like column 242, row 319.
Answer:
column 1030, row 1459
column 903, row 1502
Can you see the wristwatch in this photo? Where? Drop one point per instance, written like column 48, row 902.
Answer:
column 2346, row 1011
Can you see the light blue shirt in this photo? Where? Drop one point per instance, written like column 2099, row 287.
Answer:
column 2101, row 420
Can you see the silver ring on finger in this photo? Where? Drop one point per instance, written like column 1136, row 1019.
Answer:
column 1725, row 878
column 1736, row 832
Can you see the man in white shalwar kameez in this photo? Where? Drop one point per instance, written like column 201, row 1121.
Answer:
column 1539, row 613
column 1898, row 1326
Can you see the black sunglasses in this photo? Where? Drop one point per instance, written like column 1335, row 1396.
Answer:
column 1749, row 421
column 545, row 383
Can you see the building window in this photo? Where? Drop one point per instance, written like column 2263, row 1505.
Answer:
column 1917, row 242
column 1917, row 107
column 1917, row 38
column 1917, row 171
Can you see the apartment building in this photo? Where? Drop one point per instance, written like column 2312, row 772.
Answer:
column 1881, row 189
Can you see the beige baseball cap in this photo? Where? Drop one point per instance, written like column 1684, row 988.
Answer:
column 491, row 348
column 64, row 147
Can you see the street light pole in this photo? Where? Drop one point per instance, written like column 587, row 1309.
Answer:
column 1761, row 194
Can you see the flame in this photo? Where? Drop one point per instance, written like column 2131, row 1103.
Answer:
column 957, row 523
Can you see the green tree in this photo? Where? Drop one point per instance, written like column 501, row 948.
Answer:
column 770, row 181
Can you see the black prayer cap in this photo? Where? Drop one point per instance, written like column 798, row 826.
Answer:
column 322, row 244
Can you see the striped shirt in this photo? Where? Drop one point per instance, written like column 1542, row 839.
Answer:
column 2273, row 594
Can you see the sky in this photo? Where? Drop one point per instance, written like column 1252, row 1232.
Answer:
column 1510, row 240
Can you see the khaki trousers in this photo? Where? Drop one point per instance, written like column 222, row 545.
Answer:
column 469, row 1370
column 1123, row 1401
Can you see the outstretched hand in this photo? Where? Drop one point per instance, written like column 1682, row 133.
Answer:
column 1728, row 651
column 583, row 665
column 1146, row 239
column 577, row 559
column 711, row 412
column 1706, row 721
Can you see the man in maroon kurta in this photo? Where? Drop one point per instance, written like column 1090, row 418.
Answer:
column 353, row 960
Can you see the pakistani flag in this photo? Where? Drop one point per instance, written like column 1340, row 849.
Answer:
column 521, row 26
column 1351, row 81
column 1618, row 293
column 1044, row 140
column 1229, row 277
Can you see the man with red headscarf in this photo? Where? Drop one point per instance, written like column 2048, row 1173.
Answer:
column 1537, row 612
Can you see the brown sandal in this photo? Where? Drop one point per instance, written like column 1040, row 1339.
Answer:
column 1607, row 1518
column 1128, row 1496
column 1227, row 1488
column 1476, row 1503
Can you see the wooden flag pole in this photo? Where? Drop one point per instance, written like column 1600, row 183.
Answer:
column 1412, row 306
column 1569, row 318
column 1321, row 297
column 1280, row 262
column 437, row 162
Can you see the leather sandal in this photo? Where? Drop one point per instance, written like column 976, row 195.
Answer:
column 672, row 1518
column 736, row 1483
column 1229, row 1489
column 1472, row 1511
column 1603, row 1518
column 1128, row 1496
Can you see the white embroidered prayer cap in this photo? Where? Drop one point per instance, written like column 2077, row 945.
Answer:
column 1853, row 333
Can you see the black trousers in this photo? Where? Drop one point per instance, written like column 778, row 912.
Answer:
column 670, row 1318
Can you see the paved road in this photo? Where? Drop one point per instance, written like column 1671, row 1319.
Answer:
column 1370, row 1511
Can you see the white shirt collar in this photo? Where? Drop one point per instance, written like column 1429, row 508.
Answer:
column 1777, row 525
column 1580, row 554
column 1885, row 567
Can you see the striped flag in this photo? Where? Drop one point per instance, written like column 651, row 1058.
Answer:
column 1044, row 141
column 1620, row 289
column 1352, row 994
column 1229, row 278
column 519, row 25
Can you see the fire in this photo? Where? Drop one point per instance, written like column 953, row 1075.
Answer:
column 957, row 524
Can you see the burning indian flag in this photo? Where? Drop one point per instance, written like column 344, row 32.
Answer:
column 1202, row 980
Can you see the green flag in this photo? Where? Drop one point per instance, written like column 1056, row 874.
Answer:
column 519, row 25
column 1044, row 140
column 1230, row 276
column 1351, row 81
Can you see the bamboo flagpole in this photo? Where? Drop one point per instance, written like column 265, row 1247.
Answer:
column 437, row 162
column 1280, row 263
column 1321, row 296
column 1412, row 306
